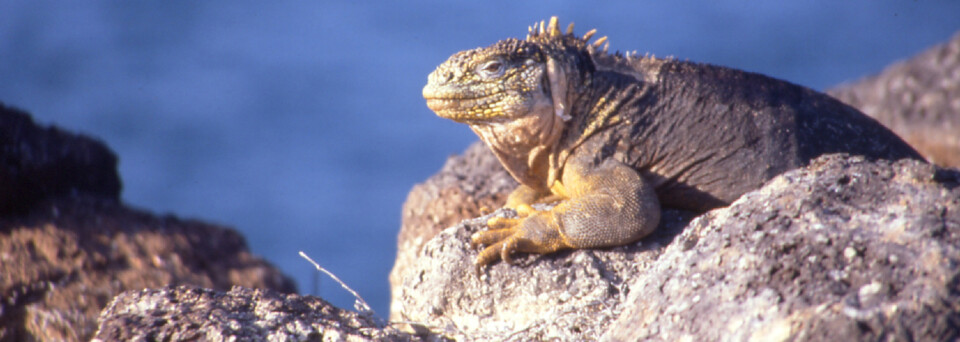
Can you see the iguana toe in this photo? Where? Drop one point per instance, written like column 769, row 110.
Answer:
column 489, row 237
column 489, row 255
column 497, row 223
column 533, row 234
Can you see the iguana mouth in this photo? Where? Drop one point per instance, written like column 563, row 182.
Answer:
column 466, row 109
column 450, row 103
column 443, row 106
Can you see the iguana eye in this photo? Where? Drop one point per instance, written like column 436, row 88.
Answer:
column 491, row 69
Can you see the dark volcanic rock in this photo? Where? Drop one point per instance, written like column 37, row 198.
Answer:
column 67, row 244
column 189, row 314
column 63, row 263
column 42, row 162
column 844, row 249
column 919, row 99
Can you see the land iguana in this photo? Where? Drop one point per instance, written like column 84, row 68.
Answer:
column 611, row 137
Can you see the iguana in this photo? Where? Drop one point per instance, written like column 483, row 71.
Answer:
column 611, row 137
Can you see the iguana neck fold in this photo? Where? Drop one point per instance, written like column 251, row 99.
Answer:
column 524, row 145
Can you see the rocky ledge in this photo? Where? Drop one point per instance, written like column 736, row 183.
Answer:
column 189, row 313
column 844, row 249
column 68, row 245
column 919, row 99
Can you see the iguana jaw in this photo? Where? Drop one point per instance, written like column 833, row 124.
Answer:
column 466, row 110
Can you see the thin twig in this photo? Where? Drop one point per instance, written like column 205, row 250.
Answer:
column 359, row 304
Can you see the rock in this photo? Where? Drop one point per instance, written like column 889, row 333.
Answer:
column 565, row 296
column 64, row 262
column 463, row 186
column 919, row 99
column 843, row 249
column 187, row 313
column 42, row 162
column 68, row 245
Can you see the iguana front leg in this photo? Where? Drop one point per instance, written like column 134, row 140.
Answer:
column 524, row 196
column 601, row 206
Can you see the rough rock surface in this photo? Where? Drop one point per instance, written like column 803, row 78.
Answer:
column 70, row 245
column 565, row 295
column 42, row 162
column 62, row 264
column 190, row 314
column 844, row 248
column 464, row 186
column 919, row 99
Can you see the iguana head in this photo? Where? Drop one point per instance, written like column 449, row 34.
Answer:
column 516, row 95
column 511, row 78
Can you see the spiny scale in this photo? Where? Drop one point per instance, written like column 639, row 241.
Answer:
column 551, row 29
column 600, row 41
column 589, row 34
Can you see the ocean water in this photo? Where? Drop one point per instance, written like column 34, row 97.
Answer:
column 301, row 123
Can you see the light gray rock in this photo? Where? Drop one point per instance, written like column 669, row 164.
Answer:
column 187, row 313
column 464, row 185
column 563, row 295
column 844, row 248
column 918, row 98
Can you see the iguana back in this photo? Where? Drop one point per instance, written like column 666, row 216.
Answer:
column 706, row 134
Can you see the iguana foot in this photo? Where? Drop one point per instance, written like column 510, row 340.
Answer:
column 534, row 232
column 500, row 243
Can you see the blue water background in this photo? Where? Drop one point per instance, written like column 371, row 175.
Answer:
column 301, row 123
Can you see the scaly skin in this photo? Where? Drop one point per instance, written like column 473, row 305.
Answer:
column 612, row 137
